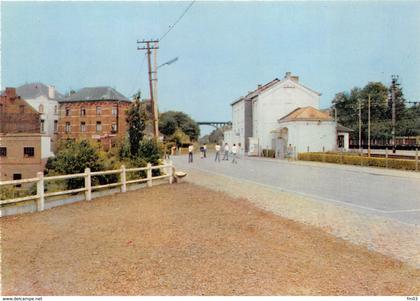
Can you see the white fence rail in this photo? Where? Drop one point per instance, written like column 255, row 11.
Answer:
column 41, row 195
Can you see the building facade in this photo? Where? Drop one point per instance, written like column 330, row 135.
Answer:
column 43, row 99
column 97, row 113
column 305, row 130
column 255, row 116
column 23, row 149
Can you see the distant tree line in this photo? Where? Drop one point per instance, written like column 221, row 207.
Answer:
column 346, row 105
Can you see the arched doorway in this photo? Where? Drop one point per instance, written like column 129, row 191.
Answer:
column 280, row 143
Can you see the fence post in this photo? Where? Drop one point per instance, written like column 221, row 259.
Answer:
column 88, row 192
column 149, row 175
column 417, row 159
column 323, row 154
column 307, row 149
column 40, row 191
column 171, row 172
column 386, row 157
column 294, row 153
column 123, row 179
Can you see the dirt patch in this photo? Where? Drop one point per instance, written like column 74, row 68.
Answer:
column 186, row 240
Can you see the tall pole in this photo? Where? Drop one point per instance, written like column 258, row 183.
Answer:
column 369, row 125
column 148, row 48
column 360, row 126
column 394, row 80
column 155, row 93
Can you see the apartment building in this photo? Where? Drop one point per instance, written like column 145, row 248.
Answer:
column 94, row 113
column 23, row 149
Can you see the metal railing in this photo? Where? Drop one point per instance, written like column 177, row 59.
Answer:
column 40, row 180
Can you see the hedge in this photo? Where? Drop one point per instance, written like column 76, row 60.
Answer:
column 269, row 153
column 358, row 160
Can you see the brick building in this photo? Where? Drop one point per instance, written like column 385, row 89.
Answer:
column 97, row 113
column 23, row 150
column 16, row 115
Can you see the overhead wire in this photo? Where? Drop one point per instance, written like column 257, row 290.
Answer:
column 177, row 21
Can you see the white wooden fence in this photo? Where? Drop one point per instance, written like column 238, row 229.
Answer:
column 169, row 172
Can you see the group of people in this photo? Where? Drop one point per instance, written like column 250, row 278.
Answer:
column 218, row 149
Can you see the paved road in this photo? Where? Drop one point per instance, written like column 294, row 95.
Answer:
column 394, row 196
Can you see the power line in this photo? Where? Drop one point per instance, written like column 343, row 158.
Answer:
column 140, row 69
column 177, row 21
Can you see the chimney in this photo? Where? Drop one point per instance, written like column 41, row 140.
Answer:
column 51, row 92
column 10, row 92
column 259, row 86
column 288, row 75
column 295, row 78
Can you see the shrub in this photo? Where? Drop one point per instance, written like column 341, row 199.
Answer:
column 269, row 153
column 358, row 160
column 73, row 158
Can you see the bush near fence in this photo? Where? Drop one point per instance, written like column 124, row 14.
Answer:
column 268, row 153
column 358, row 160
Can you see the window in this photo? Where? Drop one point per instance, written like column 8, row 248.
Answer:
column 41, row 108
column 114, row 128
column 3, row 151
column 67, row 128
column 114, row 111
column 42, row 126
column 28, row 152
column 82, row 111
column 56, row 110
column 17, row 176
column 21, row 109
column 98, row 111
column 55, row 126
column 83, row 127
column 98, row 126
column 67, row 111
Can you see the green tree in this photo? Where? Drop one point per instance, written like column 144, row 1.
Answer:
column 183, row 122
column 136, row 119
column 74, row 157
column 167, row 124
column 347, row 104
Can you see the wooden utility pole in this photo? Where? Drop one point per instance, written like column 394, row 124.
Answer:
column 152, row 45
column 369, row 125
column 155, row 91
column 360, row 126
column 393, row 86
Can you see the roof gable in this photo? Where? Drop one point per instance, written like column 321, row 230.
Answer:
column 34, row 90
column 96, row 94
column 306, row 114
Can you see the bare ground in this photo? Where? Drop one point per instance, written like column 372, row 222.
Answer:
column 186, row 240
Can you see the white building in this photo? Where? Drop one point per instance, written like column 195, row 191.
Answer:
column 255, row 116
column 305, row 130
column 43, row 99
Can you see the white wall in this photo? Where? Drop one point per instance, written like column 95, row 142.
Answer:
column 277, row 102
column 51, row 112
column 238, row 123
column 314, row 134
column 46, row 147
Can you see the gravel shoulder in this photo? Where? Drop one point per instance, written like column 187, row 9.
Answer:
column 184, row 239
column 387, row 236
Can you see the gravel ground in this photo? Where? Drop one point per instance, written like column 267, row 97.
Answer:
column 186, row 240
column 389, row 237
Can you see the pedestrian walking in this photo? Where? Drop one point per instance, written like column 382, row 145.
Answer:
column 201, row 152
column 289, row 152
column 217, row 148
column 190, row 153
column 226, row 155
column 205, row 150
column 234, row 153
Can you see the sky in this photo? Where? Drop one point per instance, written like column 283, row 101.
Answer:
column 224, row 49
